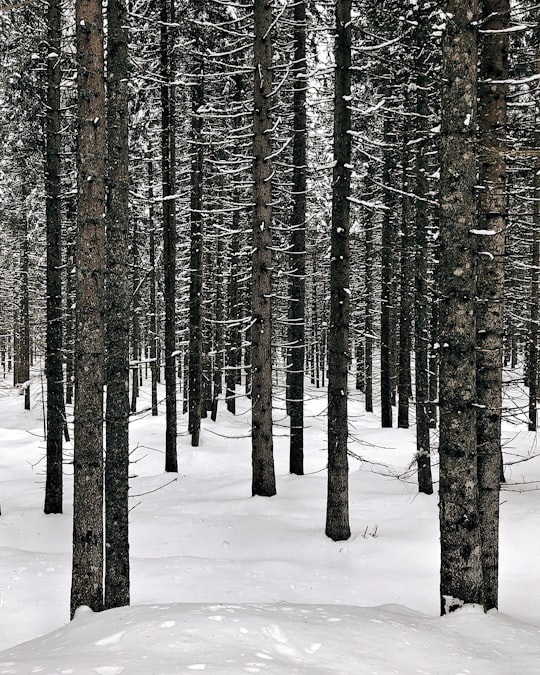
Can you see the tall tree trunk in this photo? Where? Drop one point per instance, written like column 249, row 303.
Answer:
column 135, row 318
column 405, row 305
column 118, row 312
column 490, row 282
column 23, row 368
column 168, row 170
column 298, row 247
column 53, row 358
column 70, row 323
column 421, row 315
column 387, row 300
column 154, row 337
column 196, row 256
column 461, row 565
column 535, row 282
column 337, row 509
column 263, row 476
column 87, row 573
column 369, row 307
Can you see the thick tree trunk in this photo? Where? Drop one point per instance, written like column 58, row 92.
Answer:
column 298, row 248
column 263, row 476
column 461, row 564
column 53, row 358
column 337, row 509
column 490, row 282
column 118, row 312
column 168, row 171
column 87, row 574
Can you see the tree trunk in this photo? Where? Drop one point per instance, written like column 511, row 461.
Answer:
column 196, row 258
column 87, row 574
column 421, row 300
column 461, row 566
column 53, row 359
column 118, row 312
column 369, row 307
column 154, row 336
column 298, row 248
column 490, row 282
column 337, row 510
column 168, row 171
column 263, row 476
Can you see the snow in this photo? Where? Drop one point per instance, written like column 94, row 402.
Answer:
column 226, row 583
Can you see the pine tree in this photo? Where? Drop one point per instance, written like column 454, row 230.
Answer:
column 337, row 511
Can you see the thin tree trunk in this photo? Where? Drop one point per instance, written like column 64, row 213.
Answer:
column 87, row 573
column 421, row 315
column 298, row 248
column 461, row 564
column 337, row 509
column 154, row 337
column 135, row 319
column 369, row 307
column 168, row 171
column 196, row 260
column 53, row 359
column 263, row 476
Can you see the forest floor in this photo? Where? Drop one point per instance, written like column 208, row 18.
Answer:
column 226, row 583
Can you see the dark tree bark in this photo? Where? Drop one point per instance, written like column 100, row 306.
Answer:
column 298, row 248
column 405, row 304
column 337, row 510
column 369, row 308
column 421, row 300
column 53, row 357
column 154, row 337
column 135, row 332
column 263, row 476
column 70, row 323
column 22, row 369
column 168, row 171
column 87, row 573
column 490, row 282
column 387, row 300
column 117, row 312
column 196, row 254
column 461, row 565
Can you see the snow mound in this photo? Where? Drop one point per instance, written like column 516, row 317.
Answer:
column 281, row 639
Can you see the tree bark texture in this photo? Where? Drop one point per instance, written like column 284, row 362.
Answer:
column 461, row 565
column 196, row 254
column 87, row 574
column 337, row 511
column 421, row 300
column 490, row 281
column 168, row 171
column 53, row 215
column 298, row 247
column 263, row 476
column 117, row 313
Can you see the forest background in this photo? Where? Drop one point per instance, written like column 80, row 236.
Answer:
column 313, row 191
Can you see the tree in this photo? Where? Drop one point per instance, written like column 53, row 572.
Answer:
column 87, row 571
column 492, row 201
column 168, row 178
column 53, row 217
column 337, row 510
column 298, row 246
column 117, row 312
column 461, row 568
column 263, row 476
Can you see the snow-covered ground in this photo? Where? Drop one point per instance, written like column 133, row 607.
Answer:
column 226, row 583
